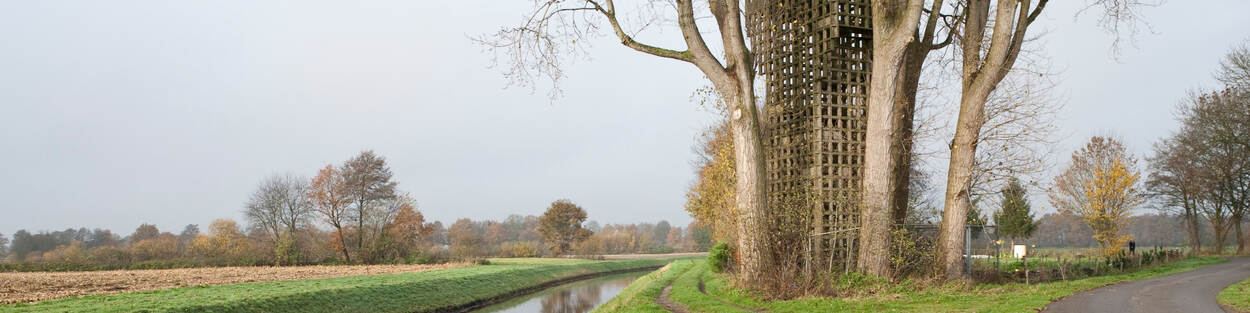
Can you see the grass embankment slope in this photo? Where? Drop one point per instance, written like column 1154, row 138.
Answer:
column 405, row 292
column 1236, row 297
column 717, row 296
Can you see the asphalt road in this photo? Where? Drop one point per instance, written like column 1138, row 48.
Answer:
column 1192, row 291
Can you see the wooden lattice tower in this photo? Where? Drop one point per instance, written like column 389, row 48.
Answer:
column 815, row 58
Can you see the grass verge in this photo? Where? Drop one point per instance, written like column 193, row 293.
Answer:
column 639, row 296
column 1236, row 298
column 903, row 297
column 405, row 292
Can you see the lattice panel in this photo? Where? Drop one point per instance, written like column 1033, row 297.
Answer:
column 815, row 58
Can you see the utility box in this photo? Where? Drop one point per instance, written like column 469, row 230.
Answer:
column 1019, row 251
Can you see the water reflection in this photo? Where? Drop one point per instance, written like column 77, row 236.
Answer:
column 576, row 297
column 577, row 300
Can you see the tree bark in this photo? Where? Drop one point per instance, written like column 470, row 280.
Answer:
column 343, row 244
column 360, row 228
column 734, row 81
column 905, row 106
column 750, row 189
column 980, row 76
column 1237, row 232
column 1191, row 220
column 904, row 115
column 959, row 182
column 1221, row 233
column 894, row 28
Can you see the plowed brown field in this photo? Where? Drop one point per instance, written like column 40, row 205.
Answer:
column 39, row 286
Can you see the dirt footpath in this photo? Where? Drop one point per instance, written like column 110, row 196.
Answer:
column 39, row 286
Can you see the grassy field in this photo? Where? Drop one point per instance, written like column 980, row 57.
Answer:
column 405, row 292
column 1236, row 297
column 717, row 296
column 16, row 287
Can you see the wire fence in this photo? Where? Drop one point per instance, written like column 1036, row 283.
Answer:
column 992, row 258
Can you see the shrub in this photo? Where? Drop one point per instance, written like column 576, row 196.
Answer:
column 718, row 257
column 910, row 253
column 519, row 249
column 70, row 254
column 162, row 247
column 111, row 256
column 659, row 250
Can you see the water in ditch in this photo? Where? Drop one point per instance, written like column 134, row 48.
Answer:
column 575, row 297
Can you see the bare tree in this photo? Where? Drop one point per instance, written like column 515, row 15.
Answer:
column 1217, row 125
column 1174, row 181
column 983, row 68
column 367, row 180
column 279, row 207
column 1120, row 18
column 935, row 23
column 556, row 27
column 989, row 45
column 1235, row 68
column 1019, row 133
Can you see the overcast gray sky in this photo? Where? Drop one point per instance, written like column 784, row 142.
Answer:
column 115, row 113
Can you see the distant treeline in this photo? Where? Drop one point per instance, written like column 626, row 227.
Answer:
column 226, row 244
column 346, row 214
column 1148, row 230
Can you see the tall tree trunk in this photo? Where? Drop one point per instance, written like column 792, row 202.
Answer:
column 750, row 194
column 1237, row 231
column 981, row 73
column 894, row 27
column 1191, row 220
column 959, row 181
column 343, row 244
column 904, row 118
column 1221, row 233
column 1195, row 235
column 360, row 228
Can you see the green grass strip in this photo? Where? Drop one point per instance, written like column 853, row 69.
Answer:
column 1236, row 297
column 404, row 292
column 901, row 297
column 639, row 296
column 686, row 292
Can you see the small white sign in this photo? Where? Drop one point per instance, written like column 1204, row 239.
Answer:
column 1019, row 251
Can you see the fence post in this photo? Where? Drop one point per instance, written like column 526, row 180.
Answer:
column 968, row 249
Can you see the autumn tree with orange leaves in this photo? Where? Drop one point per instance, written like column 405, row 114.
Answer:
column 408, row 229
column 1101, row 186
column 561, row 226
column 328, row 192
column 710, row 199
